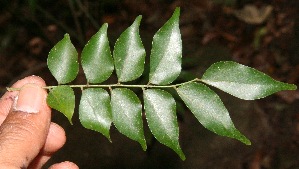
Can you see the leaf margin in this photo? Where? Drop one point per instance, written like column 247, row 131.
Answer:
column 234, row 133
column 116, row 105
column 69, row 94
column 155, row 58
column 63, row 75
column 123, row 70
column 89, row 94
column 172, row 143
column 103, row 52
column 277, row 85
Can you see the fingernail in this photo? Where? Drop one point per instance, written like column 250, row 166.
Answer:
column 29, row 99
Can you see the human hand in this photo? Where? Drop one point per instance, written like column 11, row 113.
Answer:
column 28, row 138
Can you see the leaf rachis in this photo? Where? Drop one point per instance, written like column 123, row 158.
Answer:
column 98, row 110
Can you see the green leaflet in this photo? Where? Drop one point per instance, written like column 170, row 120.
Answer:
column 63, row 61
column 160, row 112
column 166, row 53
column 95, row 110
column 96, row 57
column 209, row 110
column 242, row 81
column 127, row 114
column 129, row 53
column 62, row 98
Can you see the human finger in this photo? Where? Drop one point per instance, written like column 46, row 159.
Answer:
column 6, row 101
column 24, row 131
column 64, row 165
column 55, row 140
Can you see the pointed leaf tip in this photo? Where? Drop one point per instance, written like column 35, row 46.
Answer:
column 291, row 87
column 127, row 114
column 95, row 110
column 62, row 99
column 105, row 25
column 129, row 53
column 63, row 61
column 166, row 53
column 176, row 12
column 96, row 57
column 138, row 19
column 67, row 36
column 160, row 109
column 242, row 81
column 209, row 110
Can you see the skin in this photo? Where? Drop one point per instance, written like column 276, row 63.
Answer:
column 28, row 138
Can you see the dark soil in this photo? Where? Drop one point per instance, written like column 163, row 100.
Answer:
column 210, row 33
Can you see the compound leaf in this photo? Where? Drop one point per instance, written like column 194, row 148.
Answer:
column 62, row 98
column 209, row 110
column 166, row 53
column 63, row 61
column 129, row 53
column 127, row 114
column 242, row 81
column 96, row 57
column 95, row 110
column 160, row 112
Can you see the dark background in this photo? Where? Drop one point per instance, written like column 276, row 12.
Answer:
column 212, row 30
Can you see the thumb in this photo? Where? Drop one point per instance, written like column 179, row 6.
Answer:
column 24, row 131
